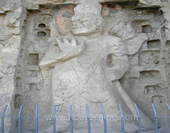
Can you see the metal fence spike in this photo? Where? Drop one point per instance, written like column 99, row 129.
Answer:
column 104, row 119
column 122, row 119
column 71, row 119
column 2, row 119
column 54, row 119
column 139, row 119
column 19, row 119
column 156, row 118
column 88, row 118
column 36, row 119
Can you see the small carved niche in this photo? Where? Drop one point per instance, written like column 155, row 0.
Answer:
column 22, row 52
column 168, row 76
column 141, row 26
column 163, row 31
column 19, row 69
column 17, row 101
column 168, row 69
column 149, row 57
column 41, row 34
column 32, row 87
column 168, row 43
column 32, row 73
column 168, row 47
column 154, row 44
column 168, row 65
column 157, row 99
column 164, row 1
column 18, row 82
column 152, row 89
column 151, row 74
column 33, row 59
column 146, row 29
column 41, row 25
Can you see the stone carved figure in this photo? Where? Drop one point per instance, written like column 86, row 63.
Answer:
column 87, row 67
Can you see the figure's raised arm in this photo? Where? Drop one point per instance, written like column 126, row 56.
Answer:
column 66, row 48
column 117, row 60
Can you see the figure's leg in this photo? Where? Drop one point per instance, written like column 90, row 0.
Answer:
column 146, row 123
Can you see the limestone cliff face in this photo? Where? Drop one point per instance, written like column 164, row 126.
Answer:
column 27, row 30
column 10, row 40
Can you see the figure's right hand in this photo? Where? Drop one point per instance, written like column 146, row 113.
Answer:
column 70, row 44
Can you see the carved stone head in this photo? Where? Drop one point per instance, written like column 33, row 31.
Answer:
column 87, row 19
column 62, row 19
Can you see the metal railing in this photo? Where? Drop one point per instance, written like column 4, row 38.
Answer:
column 88, row 119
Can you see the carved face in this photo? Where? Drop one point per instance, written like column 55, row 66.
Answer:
column 63, row 19
column 84, row 24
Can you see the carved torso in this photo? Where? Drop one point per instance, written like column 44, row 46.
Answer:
column 82, row 79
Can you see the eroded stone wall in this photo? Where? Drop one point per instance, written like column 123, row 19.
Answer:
column 10, row 40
